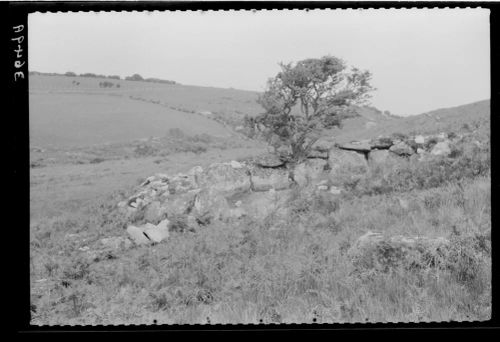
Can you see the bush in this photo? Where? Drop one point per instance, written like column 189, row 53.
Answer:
column 134, row 77
column 106, row 84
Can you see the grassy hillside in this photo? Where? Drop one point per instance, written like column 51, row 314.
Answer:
column 454, row 119
column 169, row 101
column 269, row 269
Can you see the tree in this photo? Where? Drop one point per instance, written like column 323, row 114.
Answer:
column 134, row 77
column 305, row 98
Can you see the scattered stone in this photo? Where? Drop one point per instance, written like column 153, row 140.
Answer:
column 442, row 148
column 421, row 151
column 402, row 149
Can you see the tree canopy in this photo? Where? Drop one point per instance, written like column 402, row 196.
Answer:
column 306, row 97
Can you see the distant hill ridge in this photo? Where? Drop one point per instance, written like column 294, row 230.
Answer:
column 135, row 77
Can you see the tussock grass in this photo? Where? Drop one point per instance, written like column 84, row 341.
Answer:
column 274, row 269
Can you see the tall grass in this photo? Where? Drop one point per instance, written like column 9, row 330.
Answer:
column 292, row 268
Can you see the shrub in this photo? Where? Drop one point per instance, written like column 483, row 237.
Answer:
column 134, row 77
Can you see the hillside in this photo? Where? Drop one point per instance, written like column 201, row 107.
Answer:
column 372, row 123
column 147, row 206
column 77, row 111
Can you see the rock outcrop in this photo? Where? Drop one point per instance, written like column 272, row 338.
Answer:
column 375, row 251
column 232, row 190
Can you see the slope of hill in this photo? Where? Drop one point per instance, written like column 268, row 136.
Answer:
column 171, row 102
column 370, row 123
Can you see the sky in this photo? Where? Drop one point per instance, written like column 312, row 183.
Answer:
column 421, row 59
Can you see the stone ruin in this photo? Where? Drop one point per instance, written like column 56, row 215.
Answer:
column 232, row 190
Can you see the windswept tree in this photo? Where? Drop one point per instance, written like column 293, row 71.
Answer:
column 305, row 98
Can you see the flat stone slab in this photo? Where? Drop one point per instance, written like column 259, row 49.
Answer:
column 356, row 146
column 269, row 161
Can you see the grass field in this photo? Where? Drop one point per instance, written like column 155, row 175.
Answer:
column 86, row 157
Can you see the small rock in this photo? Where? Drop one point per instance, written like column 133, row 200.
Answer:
column 420, row 139
column 323, row 145
column 137, row 235
column 375, row 251
column 402, row 149
column 237, row 204
column 269, row 160
column 158, row 233
column 322, row 187
column 335, row 191
column 442, row 148
column 442, row 136
column 236, row 165
column 381, row 143
column 153, row 212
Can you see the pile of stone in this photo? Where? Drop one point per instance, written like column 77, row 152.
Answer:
column 384, row 149
column 232, row 190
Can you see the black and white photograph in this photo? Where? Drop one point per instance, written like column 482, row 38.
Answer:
column 259, row 166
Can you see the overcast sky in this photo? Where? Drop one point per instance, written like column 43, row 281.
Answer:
column 420, row 59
